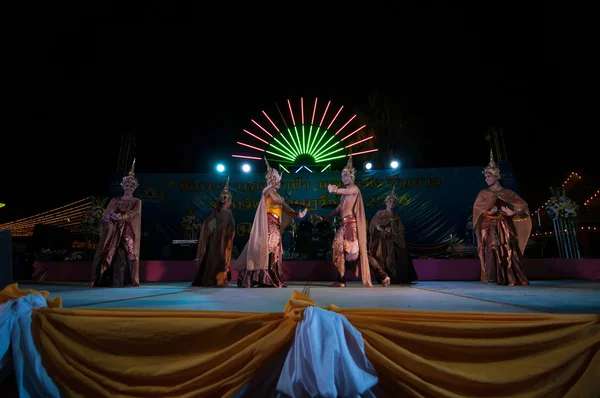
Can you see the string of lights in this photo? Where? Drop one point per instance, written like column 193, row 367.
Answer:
column 592, row 198
column 68, row 216
column 551, row 233
column 543, row 234
column 58, row 222
column 572, row 178
column 51, row 217
column 591, row 201
column 47, row 212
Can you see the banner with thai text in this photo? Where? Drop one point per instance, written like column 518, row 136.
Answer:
column 435, row 204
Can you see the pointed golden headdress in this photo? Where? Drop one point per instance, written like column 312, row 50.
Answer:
column 392, row 195
column 349, row 168
column 492, row 168
column 130, row 178
column 225, row 193
column 273, row 175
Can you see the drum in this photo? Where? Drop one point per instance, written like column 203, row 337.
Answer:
column 321, row 247
column 304, row 246
column 305, row 228
column 323, row 229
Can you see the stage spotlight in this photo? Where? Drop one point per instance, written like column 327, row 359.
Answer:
column 220, row 168
column 394, row 164
column 246, row 168
column 368, row 165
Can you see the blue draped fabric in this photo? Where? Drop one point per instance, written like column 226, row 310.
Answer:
column 16, row 337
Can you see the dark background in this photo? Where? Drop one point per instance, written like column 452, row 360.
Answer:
column 188, row 80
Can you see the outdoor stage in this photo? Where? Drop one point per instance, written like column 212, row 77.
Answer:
column 559, row 297
column 417, row 336
column 466, row 269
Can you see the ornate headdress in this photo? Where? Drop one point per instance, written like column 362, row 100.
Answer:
column 349, row 168
column 130, row 178
column 273, row 175
column 492, row 168
column 225, row 193
column 392, row 195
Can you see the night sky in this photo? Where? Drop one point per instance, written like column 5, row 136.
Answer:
column 80, row 78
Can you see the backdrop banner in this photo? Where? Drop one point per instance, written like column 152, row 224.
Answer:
column 435, row 204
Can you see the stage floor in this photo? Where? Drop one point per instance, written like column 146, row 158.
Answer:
column 558, row 296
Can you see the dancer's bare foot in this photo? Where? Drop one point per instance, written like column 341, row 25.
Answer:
column 338, row 284
column 386, row 282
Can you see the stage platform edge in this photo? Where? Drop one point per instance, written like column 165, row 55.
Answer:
column 428, row 270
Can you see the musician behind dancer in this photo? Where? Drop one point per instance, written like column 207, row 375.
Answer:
column 349, row 249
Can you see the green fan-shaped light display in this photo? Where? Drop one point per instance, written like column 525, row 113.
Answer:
column 295, row 141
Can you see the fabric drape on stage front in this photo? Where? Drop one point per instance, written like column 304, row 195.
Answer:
column 469, row 354
column 131, row 353
column 144, row 353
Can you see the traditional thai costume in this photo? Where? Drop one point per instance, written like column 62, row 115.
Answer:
column 501, row 238
column 349, row 248
column 215, row 245
column 117, row 259
column 389, row 248
column 259, row 264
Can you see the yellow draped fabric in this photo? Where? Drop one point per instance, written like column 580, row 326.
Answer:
column 469, row 354
column 131, row 353
column 12, row 292
column 158, row 353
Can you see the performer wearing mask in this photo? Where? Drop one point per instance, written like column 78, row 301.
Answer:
column 259, row 264
column 349, row 249
column 117, row 259
column 215, row 244
column 502, row 226
column 387, row 245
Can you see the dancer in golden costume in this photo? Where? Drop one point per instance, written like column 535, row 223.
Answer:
column 215, row 244
column 349, row 249
column 117, row 259
column 502, row 225
column 387, row 245
column 259, row 263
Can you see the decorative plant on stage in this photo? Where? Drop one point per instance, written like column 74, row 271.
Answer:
column 91, row 223
column 91, row 220
column 469, row 227
column 470, row 223
column 563, row 211
column 560, row 206
column 191, row 224
column 51, row 255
